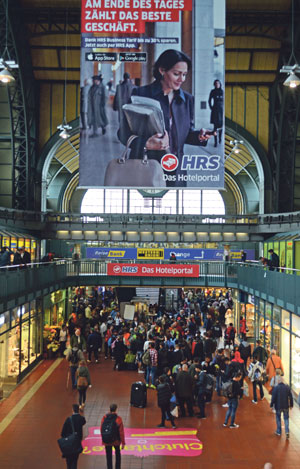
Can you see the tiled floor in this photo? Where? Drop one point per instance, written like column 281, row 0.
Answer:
column 30, row 440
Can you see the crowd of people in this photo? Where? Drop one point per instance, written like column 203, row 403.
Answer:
column 185, row 354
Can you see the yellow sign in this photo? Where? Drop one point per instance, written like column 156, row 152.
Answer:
column 116, row 254
column 150, row 253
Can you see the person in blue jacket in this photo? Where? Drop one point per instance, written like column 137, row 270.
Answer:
column 170, row 72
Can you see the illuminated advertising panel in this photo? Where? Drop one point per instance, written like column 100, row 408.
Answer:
column 152, row 94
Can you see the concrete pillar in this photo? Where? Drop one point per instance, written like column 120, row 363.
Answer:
column 163, row 30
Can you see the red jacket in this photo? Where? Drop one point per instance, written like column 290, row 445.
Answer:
column 119, row 422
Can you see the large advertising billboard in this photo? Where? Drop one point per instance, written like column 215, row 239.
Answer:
column 152, row 94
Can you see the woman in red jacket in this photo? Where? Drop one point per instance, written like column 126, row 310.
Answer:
column 116, row 436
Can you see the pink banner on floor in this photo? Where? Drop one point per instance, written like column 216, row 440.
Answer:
column 143, row 442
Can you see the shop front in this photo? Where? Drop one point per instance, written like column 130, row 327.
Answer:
column 21, row 341
column 280, row 330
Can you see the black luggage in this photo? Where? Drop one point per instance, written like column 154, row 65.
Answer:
column 138, row 397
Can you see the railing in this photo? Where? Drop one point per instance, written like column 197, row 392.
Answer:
column 42, row 278
column 12, row 216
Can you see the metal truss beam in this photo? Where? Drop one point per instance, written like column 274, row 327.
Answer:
column 22, row 110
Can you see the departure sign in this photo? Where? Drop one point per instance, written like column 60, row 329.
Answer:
column 150, row 253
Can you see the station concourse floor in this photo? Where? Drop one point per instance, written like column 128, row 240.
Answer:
column 31, row 419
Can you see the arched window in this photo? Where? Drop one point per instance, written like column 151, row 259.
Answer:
column 193, row 202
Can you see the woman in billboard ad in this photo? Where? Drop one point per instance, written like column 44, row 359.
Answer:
column 170, row 71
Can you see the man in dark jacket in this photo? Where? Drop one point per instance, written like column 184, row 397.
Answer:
column 163, row 401
column 119, row 353
column 261, row 353
column 184, row 390
column 78, row 422
column 201, row 391
column 94, row 343
column 245, row 351
column 274, row 260
column 282, row 399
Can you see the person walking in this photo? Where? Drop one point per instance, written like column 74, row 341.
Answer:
column 261, row 353
column 164, row 395
column 215, row 101
column 94, row 343
column 255, row 374
column 233, row 402
column 63, row 337
column 201, row 391
column 96, row 106
column 184, row 390
column 74, row 356
column 273, row 363
column 112, row 433
column 73, row 424
column 119, row 353
column 123, row 94
column 282, row 400
column 83, row 382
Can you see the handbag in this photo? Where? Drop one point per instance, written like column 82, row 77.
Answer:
column 82, row 382
column 70, row 444
column 126, row 172
column 175, row 412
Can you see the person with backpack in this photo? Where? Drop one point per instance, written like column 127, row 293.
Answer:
column 72, row 425
column 230, row 332
column 233, row 401
column 255, row 374
column 112, row 433
column 83, row 382
column 74, row 356
column 164, row 395
column 245, row 351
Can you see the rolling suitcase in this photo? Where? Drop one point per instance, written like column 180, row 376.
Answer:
column 138, row 397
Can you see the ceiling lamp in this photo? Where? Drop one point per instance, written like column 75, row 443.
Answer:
column 6, row 63
column 292, row 80
column 6, row 76
column 64, row 127
column 64, row 131
column 236, row 145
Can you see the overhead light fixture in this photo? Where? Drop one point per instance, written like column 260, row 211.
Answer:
column 292, row 80
column 6, row 63
column 64, row 131
column 64, row 127
column 6, row 76
column 236, row 145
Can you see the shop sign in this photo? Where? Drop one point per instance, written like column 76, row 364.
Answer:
column 181, row 254
column 13, row 243
column 5, row 241
column 150, row 253
column 143, row 442
column 27, row 244
column 150, row 270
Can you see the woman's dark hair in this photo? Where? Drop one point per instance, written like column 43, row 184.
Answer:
column 168, row 59
column 216, row 82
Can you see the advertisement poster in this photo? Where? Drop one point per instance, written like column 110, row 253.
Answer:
column 145, row 442
column 152, row 94
column 181, row 254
